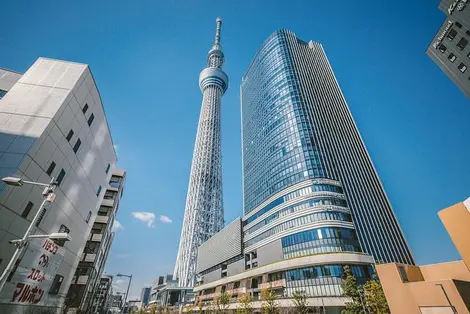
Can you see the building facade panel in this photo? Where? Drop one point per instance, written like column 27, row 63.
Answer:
column 450, row 48
column 213, row 252
column 37, row 150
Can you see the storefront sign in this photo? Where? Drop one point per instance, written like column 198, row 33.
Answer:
column 33, row 277
column 458, row 4
column 442, row 35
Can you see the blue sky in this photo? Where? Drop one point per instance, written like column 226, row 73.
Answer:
column 146, row 57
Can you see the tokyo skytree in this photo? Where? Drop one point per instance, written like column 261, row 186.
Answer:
column 204, row 213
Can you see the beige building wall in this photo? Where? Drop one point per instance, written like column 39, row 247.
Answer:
column 456, row 220
column 423, row 289
column 418, row 295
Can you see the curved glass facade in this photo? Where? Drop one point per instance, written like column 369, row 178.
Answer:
column 296, row 126
column 278, row 150
column 320, row 240
column 300, row 221
column 323, row 280
column 313, row 217
column 302, row 192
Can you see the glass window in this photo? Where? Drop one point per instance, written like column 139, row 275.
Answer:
column 85, row 108
column 462, row 43
column 60, row 177
column 109, row 195
column 77, row 145
column 451, row 57
column 51, row 168
column 467, row 32
column 462, row 67
column 27, row 210
column 458, row 24
column 99, row 191
column 2, row 93
column 452, row 34
column 69, row 136
column 88, row 217
column 403, row 275
column 90, row 119
column 442, row 48
column 107, row 168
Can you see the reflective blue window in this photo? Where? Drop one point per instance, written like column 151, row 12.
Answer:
column 303, row 191
column 323, row 280
column 278, row 147
column 2, row 93
column 320, row 240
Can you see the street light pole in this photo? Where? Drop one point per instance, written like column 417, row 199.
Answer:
column 127, row 292
column 49, row 195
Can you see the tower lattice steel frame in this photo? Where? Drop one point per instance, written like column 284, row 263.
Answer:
column 204, row 213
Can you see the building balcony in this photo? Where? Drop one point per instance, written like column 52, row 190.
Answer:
column 96, row 237
column 89, row 258
column 240, row 290
column 210, row 296
column 108, row 202
column 82, row 280
column 273, row 284
column 102, row 219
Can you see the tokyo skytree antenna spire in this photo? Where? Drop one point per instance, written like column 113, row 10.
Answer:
column 204, row 213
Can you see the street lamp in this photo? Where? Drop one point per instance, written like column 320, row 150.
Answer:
column 127, row 292
column 49, row 197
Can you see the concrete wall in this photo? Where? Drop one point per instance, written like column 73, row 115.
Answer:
column 236, row 267
column 8, row 79
column 456, row 220
column 212, row 276
column 222, row 246
column 444, row 271
column 411, row 297
column 35, row 117
column 271, row 252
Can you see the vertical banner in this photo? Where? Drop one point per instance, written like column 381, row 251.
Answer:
column 34, row 275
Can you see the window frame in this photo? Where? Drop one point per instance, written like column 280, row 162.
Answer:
column 69, row 135
column 77, row 145
column 452, row 57
column 61, row 176
column 27, row 209
column 462, row 40
column 90, row 119
column 51, row 168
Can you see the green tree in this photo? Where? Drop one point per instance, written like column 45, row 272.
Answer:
column 300, row 302
column 245, row 304
column 270, row 305
column 353, row 291
column 375, row 298
column 222, row 302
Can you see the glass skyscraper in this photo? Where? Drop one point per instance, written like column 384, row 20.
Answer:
column 313, row 202
column 301, row 149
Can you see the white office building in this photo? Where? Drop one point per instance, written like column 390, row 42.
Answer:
column 52, row 125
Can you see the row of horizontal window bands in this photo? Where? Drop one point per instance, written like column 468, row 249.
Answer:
column 301, row 221
column 282, row 199
column 296, row 207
